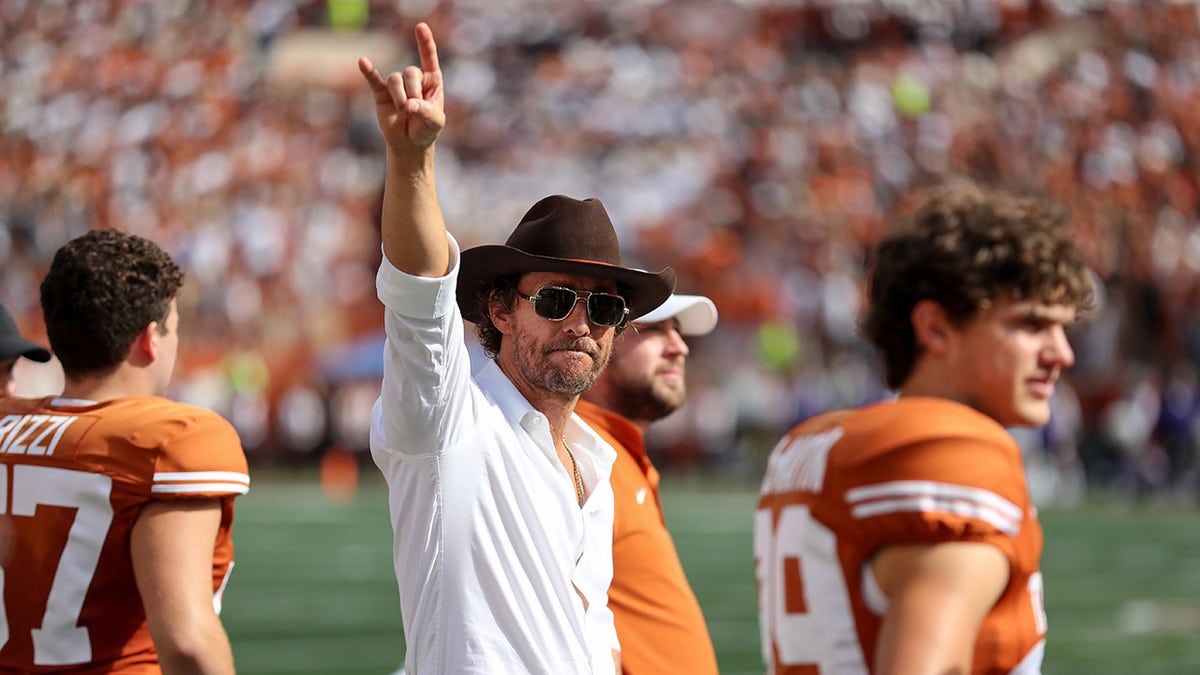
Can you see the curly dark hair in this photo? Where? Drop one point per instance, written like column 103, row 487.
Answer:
column 502, row 291
column 963, row 248
column 102, row 289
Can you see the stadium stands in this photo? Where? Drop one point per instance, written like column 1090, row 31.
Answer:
column 758, row 147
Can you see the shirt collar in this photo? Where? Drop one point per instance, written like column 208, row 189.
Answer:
column 518, row 411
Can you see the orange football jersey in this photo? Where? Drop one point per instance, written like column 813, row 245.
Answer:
column 73, row 480
column 843, row 485
column 658, row 619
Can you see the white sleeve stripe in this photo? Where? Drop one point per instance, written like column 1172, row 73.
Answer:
column 929, row 504
column 184, row 488
column 936, row 490
column 179, row 476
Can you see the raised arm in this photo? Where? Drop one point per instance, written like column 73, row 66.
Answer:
column 409, row 106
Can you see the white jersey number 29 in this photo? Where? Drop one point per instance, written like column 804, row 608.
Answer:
column 59, row 641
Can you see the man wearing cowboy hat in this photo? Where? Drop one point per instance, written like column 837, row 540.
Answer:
column 12, row 347
column 499, row 495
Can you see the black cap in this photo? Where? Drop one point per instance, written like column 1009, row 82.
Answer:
column 13, row 345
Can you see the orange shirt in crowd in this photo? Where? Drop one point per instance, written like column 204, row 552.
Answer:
column 658, row 618
column 73, row 480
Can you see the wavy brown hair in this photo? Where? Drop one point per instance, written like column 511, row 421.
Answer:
column 502, row 291
column 963, row 248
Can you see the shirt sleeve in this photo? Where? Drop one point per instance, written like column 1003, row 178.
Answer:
column 202, row 460
column 426, row 389
column 940, row 489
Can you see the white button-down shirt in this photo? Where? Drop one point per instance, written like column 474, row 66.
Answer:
column 490, row 542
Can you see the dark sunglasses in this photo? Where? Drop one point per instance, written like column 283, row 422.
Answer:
column 555, row 303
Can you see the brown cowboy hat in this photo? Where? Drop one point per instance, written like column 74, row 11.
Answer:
column 560, row 234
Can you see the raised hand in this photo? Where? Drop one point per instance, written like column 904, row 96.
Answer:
column 409, row 105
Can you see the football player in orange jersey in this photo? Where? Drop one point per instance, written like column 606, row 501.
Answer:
column 899, row 537
column 115, row 504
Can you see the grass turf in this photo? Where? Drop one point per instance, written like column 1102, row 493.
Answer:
column 313, row 591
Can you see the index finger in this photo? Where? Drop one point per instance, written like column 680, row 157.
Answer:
column 374, row 78
column 427, row 48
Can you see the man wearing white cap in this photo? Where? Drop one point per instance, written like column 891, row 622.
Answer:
column 658, row 619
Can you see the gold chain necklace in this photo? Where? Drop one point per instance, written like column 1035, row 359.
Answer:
column 575, row 471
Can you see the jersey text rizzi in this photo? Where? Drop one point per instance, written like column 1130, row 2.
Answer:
column 32, row 434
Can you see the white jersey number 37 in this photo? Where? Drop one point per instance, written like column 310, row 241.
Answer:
column 59, row 641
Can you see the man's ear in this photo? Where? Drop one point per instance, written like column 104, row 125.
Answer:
column 146, row 345
column 932, row 327
column 502, row 319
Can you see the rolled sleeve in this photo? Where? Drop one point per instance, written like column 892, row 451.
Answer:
column 419, row 297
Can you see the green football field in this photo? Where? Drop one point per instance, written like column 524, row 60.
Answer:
column 313, row 590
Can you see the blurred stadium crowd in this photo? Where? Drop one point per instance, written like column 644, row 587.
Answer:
column 759, row 147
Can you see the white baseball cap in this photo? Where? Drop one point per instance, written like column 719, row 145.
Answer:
column 697, row 314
